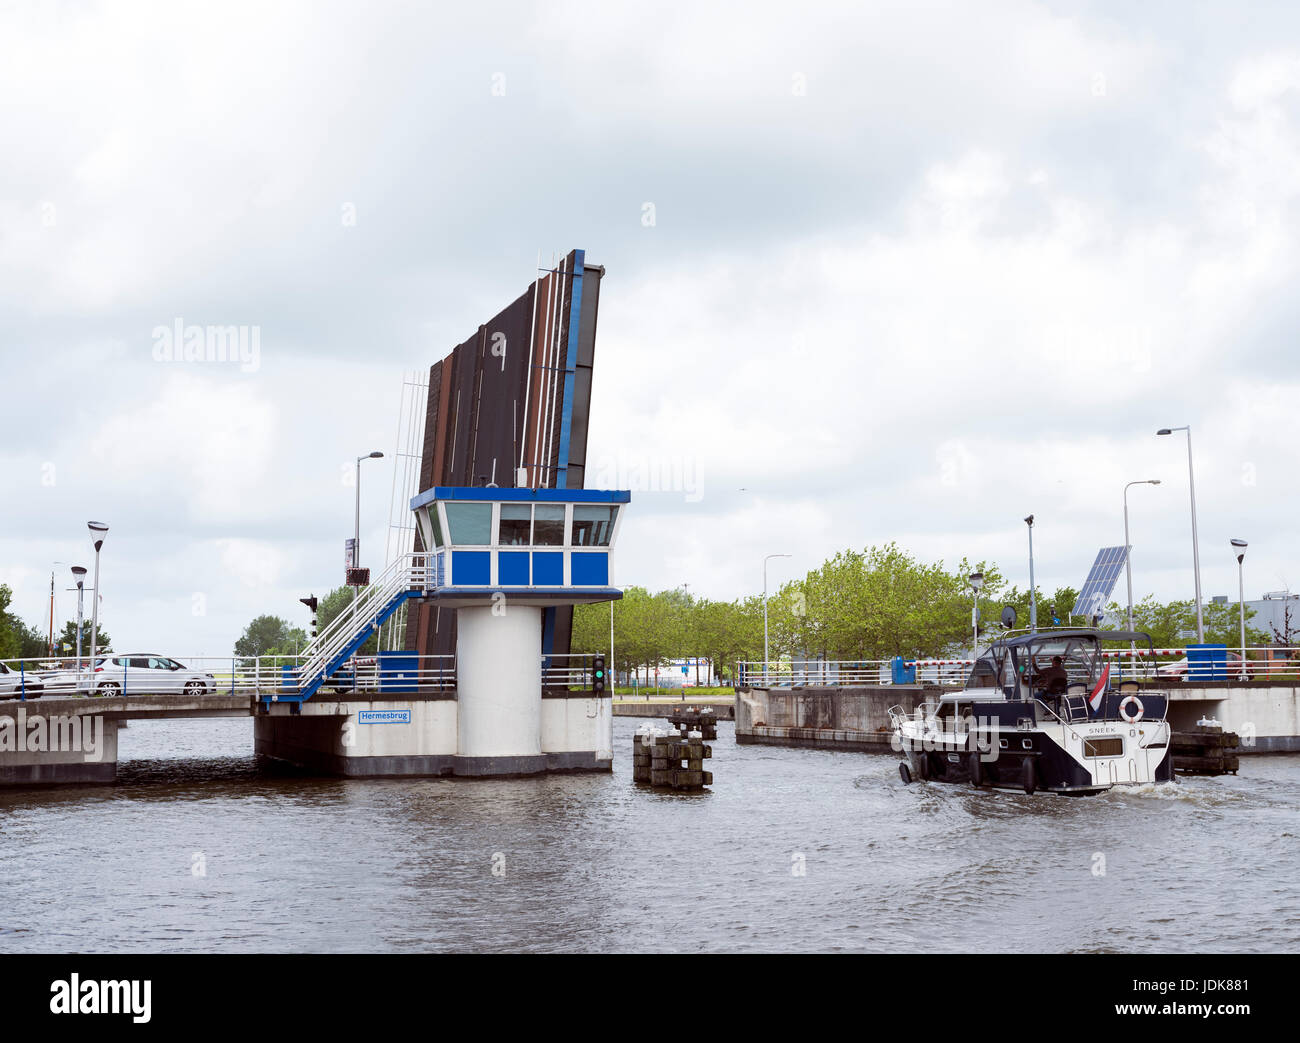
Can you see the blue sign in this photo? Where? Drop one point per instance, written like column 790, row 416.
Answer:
column 383, row 717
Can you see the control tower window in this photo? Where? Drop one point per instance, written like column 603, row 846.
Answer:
column 469, row 524
column 593, row 526
column 548, row 526
column 515, row 521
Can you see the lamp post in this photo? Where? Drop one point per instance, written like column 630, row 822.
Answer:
column 79, row 575
column 765, row 561
column 976, row 581
column 1240, row 546
column 1196, row 552
column 1128, row 564
column 1033, row 592
column 356, row 532
column 98, row 531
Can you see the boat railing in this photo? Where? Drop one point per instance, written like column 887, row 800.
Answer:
column 923, row 711
column 1051, row 712
column 1076, row 706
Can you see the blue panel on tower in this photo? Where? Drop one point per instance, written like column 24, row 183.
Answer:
column 548, row 569
column 471, row 568
column 589, row 570
column 512, row 568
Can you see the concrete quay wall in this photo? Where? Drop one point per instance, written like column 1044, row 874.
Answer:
column 1266, row 716
column 847, row 718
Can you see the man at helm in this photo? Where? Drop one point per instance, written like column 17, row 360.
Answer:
column 1054, row 679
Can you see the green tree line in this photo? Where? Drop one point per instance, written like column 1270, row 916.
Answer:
column 872, row 604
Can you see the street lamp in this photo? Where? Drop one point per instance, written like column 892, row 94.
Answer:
column 98, row 531
column 1033, row 593
column 976, row 581
column 356, row 532
column 1240, row 546
column 1196, row 553
column 765, row 561
column 79, row 575
column 1128, row 565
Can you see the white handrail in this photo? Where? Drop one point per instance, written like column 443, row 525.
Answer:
column 402, row 575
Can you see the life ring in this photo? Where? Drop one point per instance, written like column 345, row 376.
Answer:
column 1140, row 711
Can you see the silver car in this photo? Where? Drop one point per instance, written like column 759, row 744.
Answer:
column 148, row 674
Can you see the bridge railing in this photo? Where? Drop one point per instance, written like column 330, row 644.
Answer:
column 1264, row 663
column 392, row 673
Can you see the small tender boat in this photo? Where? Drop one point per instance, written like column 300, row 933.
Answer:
column 1040, row 713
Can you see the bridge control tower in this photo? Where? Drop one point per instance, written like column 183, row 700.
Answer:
column 489, row 586
column 497, row 560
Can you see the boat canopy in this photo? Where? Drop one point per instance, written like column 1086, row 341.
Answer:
column 1052, row 661
column 1057, row 633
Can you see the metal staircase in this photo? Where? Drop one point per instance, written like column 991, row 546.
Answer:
column 406, row 577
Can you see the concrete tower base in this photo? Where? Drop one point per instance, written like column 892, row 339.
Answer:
column 498, row 721
column 416, row 736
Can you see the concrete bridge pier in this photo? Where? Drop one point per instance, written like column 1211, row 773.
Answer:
column 40, row 746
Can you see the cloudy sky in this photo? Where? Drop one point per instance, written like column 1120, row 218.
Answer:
column 875, row 271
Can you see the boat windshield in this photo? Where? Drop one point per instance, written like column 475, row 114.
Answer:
column 994, row 669
column 1052, row 666
column 1047, row 666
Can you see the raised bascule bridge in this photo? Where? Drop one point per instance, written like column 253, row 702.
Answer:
column 504, row 541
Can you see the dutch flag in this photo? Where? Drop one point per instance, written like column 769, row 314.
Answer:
column 1099, row 692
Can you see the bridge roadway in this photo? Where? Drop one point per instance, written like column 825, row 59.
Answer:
column 136, row 707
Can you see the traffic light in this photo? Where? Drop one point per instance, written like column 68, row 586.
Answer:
column 311, row 603
column 598, row 674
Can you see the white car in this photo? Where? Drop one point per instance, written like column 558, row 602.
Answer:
column 148, row 674
column 15, row 683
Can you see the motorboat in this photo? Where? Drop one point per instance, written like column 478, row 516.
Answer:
column 1042, row 711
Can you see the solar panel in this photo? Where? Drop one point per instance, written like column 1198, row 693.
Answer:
column 1102, row 577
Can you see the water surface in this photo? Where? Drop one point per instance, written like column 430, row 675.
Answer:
column 596, row 862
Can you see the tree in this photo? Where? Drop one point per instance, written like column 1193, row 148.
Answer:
column 1168, row 623
column 269, row 635
column 1288, row 634
column 10, row 626
column 69, row 638
column 18, row 640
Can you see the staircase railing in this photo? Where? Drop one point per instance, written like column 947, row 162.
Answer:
column 406, row 575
